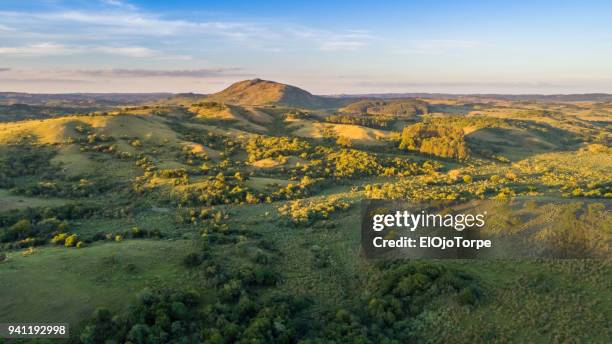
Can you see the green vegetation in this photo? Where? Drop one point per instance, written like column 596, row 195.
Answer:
column 439, row 140
column 405, row 108
column 235, row 218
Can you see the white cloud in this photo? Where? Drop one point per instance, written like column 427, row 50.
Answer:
column 126, row 51
column 120, row 4
column 37, row 49
column 113, row 25
column 130, row 23
column 163, row 73
column 119, row 80
column 54, row 49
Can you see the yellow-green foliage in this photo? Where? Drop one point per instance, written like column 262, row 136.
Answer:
column 262, row 147
column 352, row 162
column 60, row 238
column 344, row 142
column 71, row 240
column 212, row 190
column 435, row 139
column 302, row 212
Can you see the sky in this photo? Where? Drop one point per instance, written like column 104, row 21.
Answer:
column 325, row 47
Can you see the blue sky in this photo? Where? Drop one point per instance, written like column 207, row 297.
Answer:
column 326, row 47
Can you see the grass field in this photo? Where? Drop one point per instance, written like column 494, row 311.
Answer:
column 10, row 202
column 55, row 281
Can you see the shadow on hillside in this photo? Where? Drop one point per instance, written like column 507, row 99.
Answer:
column 520, row 142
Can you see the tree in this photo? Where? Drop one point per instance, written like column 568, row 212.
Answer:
column 22, row 226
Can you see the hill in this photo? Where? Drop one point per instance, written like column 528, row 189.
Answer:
column 20, row 112
column 264, row 92
column 80, row 99
column 396, row 107
column 544, row 98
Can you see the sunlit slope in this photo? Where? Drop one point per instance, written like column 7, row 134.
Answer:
column 247, row 118
column 264, row 92
column 126, row 134
column 357, row 134
column 61, row 130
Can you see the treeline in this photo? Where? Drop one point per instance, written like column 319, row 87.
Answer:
column 435, row 139
column 378, row 122
column 71, row 188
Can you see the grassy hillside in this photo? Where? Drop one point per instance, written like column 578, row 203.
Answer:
column 236, row 218
column 263, row 92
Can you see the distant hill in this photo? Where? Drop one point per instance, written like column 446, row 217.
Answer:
column 392, row 107
column 546, row 98
column 20, row 112
column 185, row 99
column 259, row 92
column 263, row 92
column 80, row 99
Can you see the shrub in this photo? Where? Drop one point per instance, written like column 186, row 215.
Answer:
column 192, row 260
column 71, row 240
column 469, row 296
column 22, row 225
column 304, row 213
column 60, row 238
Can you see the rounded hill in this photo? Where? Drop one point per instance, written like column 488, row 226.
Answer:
column 263, row 92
